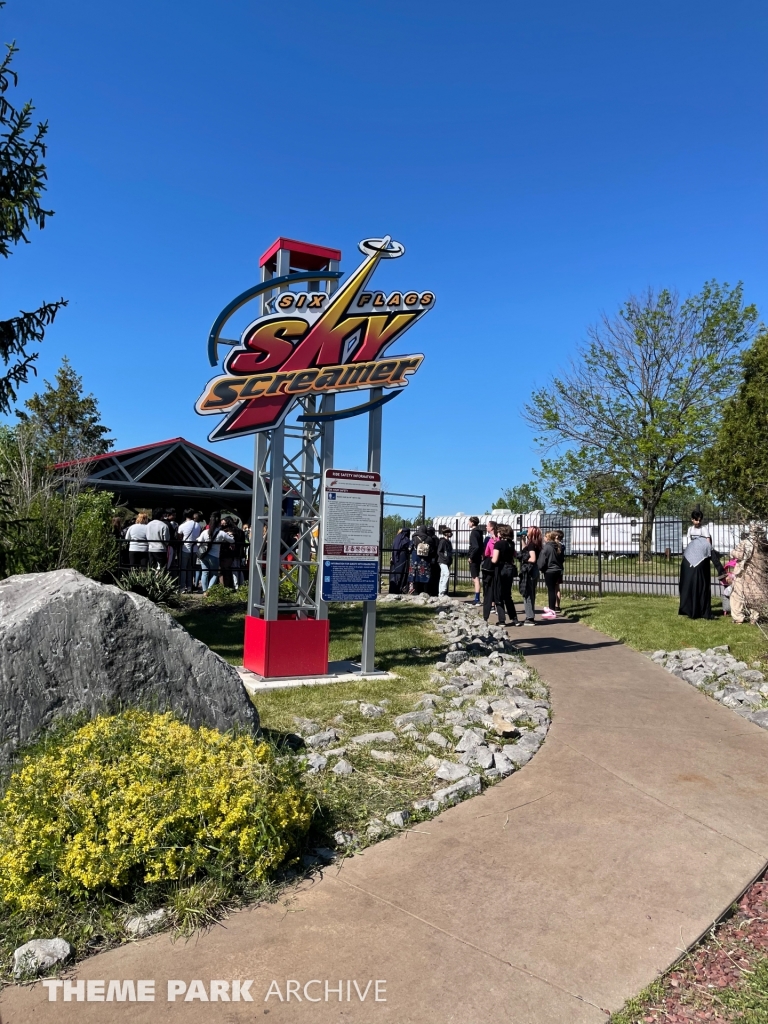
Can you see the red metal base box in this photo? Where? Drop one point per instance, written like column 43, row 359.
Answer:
column 288, row 647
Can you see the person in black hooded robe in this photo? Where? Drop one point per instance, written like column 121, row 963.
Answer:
column 696, row 578
column 433, row 587
column 401, row 556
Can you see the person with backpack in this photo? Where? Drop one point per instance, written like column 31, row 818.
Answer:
column 445, row 559
column 228, row 553
column 529, row 572
column 421, row 562
column 550, row 562
column 498, row 590
column 209, row 550
column 476, row 549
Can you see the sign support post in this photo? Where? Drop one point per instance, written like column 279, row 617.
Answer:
column 374, row 466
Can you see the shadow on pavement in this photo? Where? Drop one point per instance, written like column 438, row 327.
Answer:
column 531, row 642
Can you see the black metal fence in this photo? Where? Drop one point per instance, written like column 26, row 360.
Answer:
column 182, row 564
column 608, row 553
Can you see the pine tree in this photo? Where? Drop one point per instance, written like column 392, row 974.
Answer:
column 64, row 423
column 736, row 467
column 22, row 182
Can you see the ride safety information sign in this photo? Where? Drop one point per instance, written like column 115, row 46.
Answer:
column 350, row 536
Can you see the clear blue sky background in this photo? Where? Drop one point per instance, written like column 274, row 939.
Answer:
column 539, row 162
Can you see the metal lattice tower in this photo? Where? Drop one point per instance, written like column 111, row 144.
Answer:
column 289, row 461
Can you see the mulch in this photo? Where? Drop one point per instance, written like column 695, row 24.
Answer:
column 722, row 960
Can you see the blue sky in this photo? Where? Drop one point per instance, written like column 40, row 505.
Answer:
column 539, row 162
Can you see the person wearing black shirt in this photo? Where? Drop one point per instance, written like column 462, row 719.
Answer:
column 550, row 562
column 445, row 558
column 434, row 567
column 476, row 550
column 499, row 591
column 529, row 572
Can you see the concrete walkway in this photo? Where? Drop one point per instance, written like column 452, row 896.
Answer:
column 549, row 900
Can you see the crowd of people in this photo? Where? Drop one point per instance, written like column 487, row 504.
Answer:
column 421, row 564
column 202, row 552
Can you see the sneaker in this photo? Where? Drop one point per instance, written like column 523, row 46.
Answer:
column 529, row 622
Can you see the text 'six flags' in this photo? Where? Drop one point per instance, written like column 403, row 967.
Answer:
column 315, row 344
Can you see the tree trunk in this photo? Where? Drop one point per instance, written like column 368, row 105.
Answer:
column 646, row 531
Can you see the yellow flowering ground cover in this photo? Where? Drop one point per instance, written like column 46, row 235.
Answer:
column 135, row 802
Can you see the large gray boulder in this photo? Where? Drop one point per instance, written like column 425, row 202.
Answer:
column 68, row 644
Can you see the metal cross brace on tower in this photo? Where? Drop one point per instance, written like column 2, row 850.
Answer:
column 288, row 465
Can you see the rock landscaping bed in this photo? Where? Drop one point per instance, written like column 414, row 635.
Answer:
column 485, row 716
column 733, row 683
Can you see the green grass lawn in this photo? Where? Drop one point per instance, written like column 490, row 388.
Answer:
column 650, row 623
column 404, row 638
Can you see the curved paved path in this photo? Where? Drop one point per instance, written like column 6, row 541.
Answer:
column 549, row 900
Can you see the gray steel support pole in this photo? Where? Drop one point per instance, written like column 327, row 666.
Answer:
column 274, row 523
column 327, row 404
column 258, row 506
column 367, row 663
column 307, row 493
column 327, row 437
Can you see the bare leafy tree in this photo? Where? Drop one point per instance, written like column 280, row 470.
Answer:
column 22, row 182
column 641, row 401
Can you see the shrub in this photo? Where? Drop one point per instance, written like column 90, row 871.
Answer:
column 140, row 799
column 218, row 596
column 158, row 585
column 289, row 590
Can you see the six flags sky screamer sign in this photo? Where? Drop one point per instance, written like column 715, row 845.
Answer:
column 313, row 344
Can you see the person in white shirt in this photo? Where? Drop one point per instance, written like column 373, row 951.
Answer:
column 158, row 538
column 189, row 531
column 136, row 535
column 698, row 528
column 210, row 541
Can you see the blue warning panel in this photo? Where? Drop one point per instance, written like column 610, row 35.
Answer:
column 350, row 579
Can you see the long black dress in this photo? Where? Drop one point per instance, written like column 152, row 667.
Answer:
column 398, row 567
column 696, row 579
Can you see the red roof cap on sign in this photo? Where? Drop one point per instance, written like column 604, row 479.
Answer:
column 304, row 256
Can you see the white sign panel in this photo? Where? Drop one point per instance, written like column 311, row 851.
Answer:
column 351, row 531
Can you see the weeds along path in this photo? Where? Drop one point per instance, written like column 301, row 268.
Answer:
column 552, row 898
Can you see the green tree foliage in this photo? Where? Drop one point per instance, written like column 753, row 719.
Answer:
column 641, row 401
column 590, row 494
column 736, row 467
column 64, row 423
column 46, row 523
column 22, row 182
column 520, row 498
